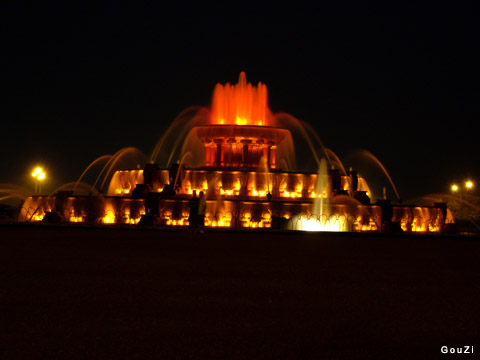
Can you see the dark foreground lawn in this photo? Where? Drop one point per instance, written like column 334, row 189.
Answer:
column 68, row 293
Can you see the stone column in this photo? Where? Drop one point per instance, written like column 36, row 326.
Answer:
column 219, row 153
column 245, row 156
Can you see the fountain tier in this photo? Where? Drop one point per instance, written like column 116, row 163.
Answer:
column 240, row 146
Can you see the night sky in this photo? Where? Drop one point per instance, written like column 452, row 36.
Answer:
column 400, row 81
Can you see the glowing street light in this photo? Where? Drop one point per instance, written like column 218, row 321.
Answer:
column 460, row 190
column 39, row 176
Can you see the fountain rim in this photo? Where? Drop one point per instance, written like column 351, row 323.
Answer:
column 240, row 126
column 185, row 197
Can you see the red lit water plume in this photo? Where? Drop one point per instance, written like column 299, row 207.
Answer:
column 241, row 104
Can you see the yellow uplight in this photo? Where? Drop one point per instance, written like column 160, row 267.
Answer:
column 469, row 184
column 454, row 187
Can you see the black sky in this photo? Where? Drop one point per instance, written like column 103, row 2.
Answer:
column 399, row 81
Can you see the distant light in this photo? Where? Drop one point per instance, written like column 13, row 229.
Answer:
column 39, row 174
column 37, row 171
column 454, row 187
column 469, row 184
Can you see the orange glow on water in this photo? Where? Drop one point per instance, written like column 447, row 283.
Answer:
column 128, row 218
column 219, row 221
column 109, row 215
column 176, row 222
column 109, row 218
column 124, row 181
column 420, row 220
column 38, row 217
column 76, row 219
column 362, row 224
column 241, row 104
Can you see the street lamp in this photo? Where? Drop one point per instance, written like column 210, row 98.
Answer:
column 460, row 190
column 39, row 176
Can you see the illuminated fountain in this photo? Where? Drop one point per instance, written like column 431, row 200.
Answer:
column 243, row 157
